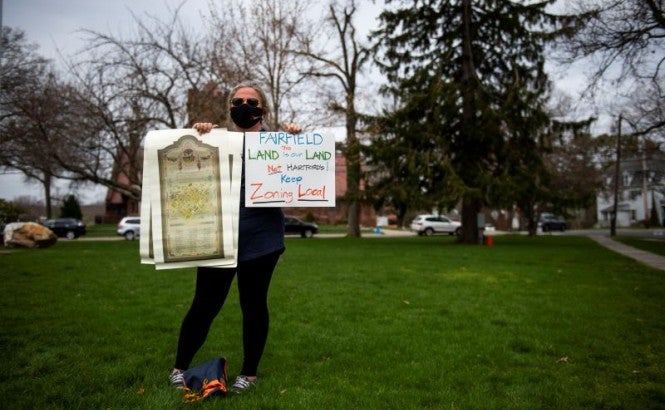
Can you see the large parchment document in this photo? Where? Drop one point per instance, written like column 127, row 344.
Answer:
column 190, row 198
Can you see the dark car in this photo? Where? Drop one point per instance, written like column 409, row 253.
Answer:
column 549, row 222
column 69, row 228
column 297, row 226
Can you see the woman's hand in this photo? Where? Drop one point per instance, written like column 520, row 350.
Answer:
column 291, row 128
column 204, row 127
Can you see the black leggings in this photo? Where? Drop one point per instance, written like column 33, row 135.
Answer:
column 212, row 287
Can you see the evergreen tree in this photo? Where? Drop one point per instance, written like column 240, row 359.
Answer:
column 407, row 174
column 71, row 208
column 573, row 164
column 9, row 212
column 471, row 76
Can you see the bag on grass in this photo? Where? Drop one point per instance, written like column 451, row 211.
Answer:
column 206, row 380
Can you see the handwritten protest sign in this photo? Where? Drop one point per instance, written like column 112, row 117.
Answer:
column 289, row 170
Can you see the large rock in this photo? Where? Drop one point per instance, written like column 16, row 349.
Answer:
column 28, row 235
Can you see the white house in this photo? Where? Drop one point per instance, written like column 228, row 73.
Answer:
column 642, row 186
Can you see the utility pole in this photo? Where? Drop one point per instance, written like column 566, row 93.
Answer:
column 2, row 46
column 645, row 192
column 617, row 175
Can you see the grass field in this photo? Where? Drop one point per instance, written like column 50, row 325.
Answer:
column 376, row 323
column 101, row 231
column 109, row 230
column 654, row 244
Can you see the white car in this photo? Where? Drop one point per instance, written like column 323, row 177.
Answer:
column 129, row 227
column 430, row 224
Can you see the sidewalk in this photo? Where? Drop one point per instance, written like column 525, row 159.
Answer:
column 647, row 258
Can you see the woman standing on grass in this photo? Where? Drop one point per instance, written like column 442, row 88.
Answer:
column 260, row 244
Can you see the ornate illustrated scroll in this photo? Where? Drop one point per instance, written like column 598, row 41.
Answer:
column 191, row 201
column 190, row 198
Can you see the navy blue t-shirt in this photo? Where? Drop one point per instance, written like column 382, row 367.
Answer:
column 261, row 230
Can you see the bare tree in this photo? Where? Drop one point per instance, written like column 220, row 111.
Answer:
column 646, row 109
column 129, row 86
column 257, row 38
column 626, row 40
column 30, row 112
column 343, row 65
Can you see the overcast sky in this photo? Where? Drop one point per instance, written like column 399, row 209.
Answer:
column 54, row 25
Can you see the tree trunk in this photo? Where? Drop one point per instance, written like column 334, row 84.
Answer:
column 47, row 195
column 532, row 224
column 401, row 215
column 470, row 209
column 352, row 172
column 470, row 204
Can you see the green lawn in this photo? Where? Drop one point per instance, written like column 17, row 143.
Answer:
column 109, row 230
column 655, row 244
column 101, row 230
column 376, row 323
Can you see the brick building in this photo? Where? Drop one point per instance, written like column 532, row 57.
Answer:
column 117, row 204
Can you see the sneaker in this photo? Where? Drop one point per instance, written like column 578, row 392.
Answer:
column 243, row 383
column 177, row 379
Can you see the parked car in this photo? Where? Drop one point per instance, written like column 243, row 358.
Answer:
column 549, row 222
column 430, row 224
column 293, row 225
column 129, row 227
column 70, row 228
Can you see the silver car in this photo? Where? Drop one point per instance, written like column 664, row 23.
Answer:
column 129, row 227
column 430, row 224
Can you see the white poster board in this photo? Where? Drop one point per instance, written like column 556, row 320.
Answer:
column 190, row 198
column 289, row 170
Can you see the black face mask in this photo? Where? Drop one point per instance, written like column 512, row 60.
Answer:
column 245, row 116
